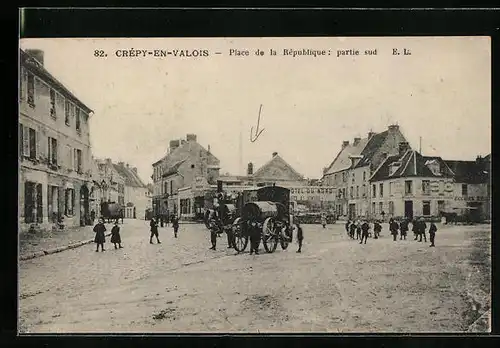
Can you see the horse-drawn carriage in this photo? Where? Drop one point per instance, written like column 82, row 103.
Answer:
column 265, row 210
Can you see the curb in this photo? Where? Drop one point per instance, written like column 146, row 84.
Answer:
column 38, row 254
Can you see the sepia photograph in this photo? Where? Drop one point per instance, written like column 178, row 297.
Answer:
column 254, row 185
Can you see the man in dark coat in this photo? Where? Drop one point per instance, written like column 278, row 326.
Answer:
column 432, row 233
column 115, row 236
column 255, row 237
column 414, row 228
column 175, row 225
column 347, row 226
column 377, row 228
column 154, row 231
column 365, row 227
column 394, row 227
column 214, row 228
column 352, row 229
column 422, row 227
column 403, row 229
column 300, row 236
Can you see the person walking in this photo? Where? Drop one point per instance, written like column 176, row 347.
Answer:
column 365, row 227
column 175, row 225
column 377, row 228
column 358, row 230
column 300, row 237
column 154, row 231
column 403, row 229
column 347, row 226
column 422, row 227
column 393, row 227
column 115, row 236
column 213, row 227
column 100, row 238
column 432, row 233
column 414, row 228
column 352, row 228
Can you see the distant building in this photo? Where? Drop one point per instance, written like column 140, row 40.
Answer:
column 136, row 195
column 186, row 165
column 349, row 172
column 112, row 183
column 54, row 148
column 411, row 185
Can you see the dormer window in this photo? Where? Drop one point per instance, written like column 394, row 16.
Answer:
column 393, row 167
column 434, row 167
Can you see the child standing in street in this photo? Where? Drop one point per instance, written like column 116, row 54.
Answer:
column 115, row 236
column 175, row 225
column 100, row 238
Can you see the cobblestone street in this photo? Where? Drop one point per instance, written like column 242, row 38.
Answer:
column 335, row 285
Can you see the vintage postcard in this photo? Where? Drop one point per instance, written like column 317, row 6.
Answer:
column 244, row 185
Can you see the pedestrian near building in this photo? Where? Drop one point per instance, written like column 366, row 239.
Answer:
column 394, row 227
column 414, row 228
column 300, row 237
column 358, row 230
column 422, row 228
column 255, row 236
column 352, row 228
column 213, row 227
column 432, row 233
column 377, row 228
column 347, row 226
column 365, row 227
column 154, row 231
column 175, row 225
column 100, row 238
column 115, row 236
column 403, row 229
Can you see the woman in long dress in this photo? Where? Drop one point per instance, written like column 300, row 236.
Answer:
column 100, row 238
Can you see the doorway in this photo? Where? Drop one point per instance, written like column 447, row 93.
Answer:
column 352, row 211
column 84, row 206
column 409, row 210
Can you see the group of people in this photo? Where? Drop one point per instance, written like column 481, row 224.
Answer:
column 360, row 230
column 100, row 232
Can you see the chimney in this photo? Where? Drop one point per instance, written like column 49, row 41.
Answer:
column 325, row 169
column 121, row 164
column 37, row 54
column 370, row 134
column 127, row 165
column 134, row 169
column 403, row 147
column 250, row 169
column 275, row 154
column 108, row 160
column 209, row 148
column 191, row 137
column 174, row 144
column 356, row 141
column 393, row 128
column 345, row 143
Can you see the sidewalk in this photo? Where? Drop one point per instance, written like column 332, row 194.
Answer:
column 32, row 245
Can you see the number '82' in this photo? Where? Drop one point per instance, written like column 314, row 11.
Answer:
column 99, row 53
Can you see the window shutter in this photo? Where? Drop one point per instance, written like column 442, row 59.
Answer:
column 50, row 209
column 66, row 202
column 39, row 203
column 28, row 201
column 37, row 144
column 21, row 140
column 49, row 149
column 71, row 157
column 75, row 159
column 26, row 142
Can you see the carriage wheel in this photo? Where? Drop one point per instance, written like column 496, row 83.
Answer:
column 240, row 241
column 269, row 235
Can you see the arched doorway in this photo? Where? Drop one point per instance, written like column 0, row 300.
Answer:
column 84, row 206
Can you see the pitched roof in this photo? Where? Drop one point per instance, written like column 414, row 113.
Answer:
column 30, row 62
column 131, row 178
column 171, row 158
column 342, row 161
column 371, row 148
column 411, row 164
column 469, row 172
column 276, row 159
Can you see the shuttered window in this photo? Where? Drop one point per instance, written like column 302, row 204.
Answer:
column 69, row 200
column 32, row 143
column 29, row 202
column 39, row 203
column 52, row 150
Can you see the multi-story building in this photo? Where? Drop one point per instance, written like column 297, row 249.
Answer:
column 187, row 164
column 349, row 172
column 136, row 192
column 112, row 184
column 411, row 185
column 54, row 148
column 472, row 186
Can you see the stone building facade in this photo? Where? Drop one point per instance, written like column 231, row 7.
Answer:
column 349, row 172
column 186, row 164
column 136, row 194
column 112, row 184
column 55, row 171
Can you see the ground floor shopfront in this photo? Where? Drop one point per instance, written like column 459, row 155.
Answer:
column 45, row 198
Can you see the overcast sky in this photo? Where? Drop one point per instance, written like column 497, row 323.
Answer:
column 441, row 92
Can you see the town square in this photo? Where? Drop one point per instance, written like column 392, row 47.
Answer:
column 175, row 200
